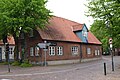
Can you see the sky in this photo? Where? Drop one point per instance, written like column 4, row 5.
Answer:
column 70, row 9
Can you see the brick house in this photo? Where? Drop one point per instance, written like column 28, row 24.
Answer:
column 74, row 41
column 11, row 42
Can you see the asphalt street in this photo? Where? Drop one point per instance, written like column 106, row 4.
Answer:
column 92, row 70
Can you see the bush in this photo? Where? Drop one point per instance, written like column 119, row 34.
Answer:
column 26, row 64
column 15, row 63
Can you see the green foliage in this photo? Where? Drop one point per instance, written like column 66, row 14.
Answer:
column 15, row 63
column 26, row 64
column 22, row 15
column 100, row 31
column 109, row 12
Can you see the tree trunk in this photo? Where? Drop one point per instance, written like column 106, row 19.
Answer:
column 16, row 50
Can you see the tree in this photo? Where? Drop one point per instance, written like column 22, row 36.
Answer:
column 109, row 12
column 18, row 16
column 100, row 31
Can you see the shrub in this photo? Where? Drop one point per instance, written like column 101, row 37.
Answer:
column 15, row 63
column 26, row 64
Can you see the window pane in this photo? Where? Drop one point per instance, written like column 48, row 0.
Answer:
column 31, row 51
column 36, row 51
column 95, row 52
column 74, row 50
column 52, row 50
column 98, row 52
column 60, row 50
column 88, row 51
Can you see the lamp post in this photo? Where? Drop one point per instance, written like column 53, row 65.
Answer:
column 8, row 53
column 6, row 44
column 45, row 50
column 110, row 43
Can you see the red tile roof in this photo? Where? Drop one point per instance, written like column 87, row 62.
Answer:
column 62, row 30
column 59, row 29
column 92, row 39
column 77, row 27
column 10, row 40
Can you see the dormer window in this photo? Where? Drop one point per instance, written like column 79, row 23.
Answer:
column 85, row 34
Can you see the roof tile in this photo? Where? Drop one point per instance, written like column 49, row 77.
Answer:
column 63, row 30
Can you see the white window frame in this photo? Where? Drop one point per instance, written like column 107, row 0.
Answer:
column 31, row 51
column 59, row 50
column 84, row 33
column 88, row 51
column 37, row 51
column 74, row 50
column 96, row 52
column 51, row 50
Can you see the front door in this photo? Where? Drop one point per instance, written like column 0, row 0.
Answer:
column 0, row 54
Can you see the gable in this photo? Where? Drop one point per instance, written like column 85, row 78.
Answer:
column 83, row 33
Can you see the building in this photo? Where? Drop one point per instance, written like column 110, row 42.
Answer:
column 11, row 48
column 71, row 42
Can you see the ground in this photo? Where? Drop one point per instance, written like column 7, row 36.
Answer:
column 92, row 70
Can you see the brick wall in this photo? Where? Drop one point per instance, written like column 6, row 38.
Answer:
column 67, row 55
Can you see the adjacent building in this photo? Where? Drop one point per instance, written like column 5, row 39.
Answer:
column 11, row 42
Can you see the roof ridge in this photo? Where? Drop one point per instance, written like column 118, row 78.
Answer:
column 68, row 20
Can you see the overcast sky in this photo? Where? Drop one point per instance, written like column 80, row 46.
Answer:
column 70, row 9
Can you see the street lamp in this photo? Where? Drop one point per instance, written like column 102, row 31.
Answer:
column 110, row 43
column 45, row 50
column 6, row 44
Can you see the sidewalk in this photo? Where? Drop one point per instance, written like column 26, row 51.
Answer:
column 86, row 71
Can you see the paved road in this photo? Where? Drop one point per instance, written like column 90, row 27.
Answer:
column 84, row 71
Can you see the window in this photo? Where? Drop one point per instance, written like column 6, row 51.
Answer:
column 37, row 51
column 88, row 51
column 10, row 50
column 31, row 33
column 85, row 33
column 59, row 50
column 96, row 53
column 31, row 51
column 51, row 50
column 74, row 50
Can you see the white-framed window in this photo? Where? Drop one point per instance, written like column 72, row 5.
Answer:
column 74, row 50
column 10, row 50
column 37, row 51
column 84, row 33
column 88, row 51
column 60, row 50
column 31, row 51
column 51, row 50
column 31, row 33
column 96, row 53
